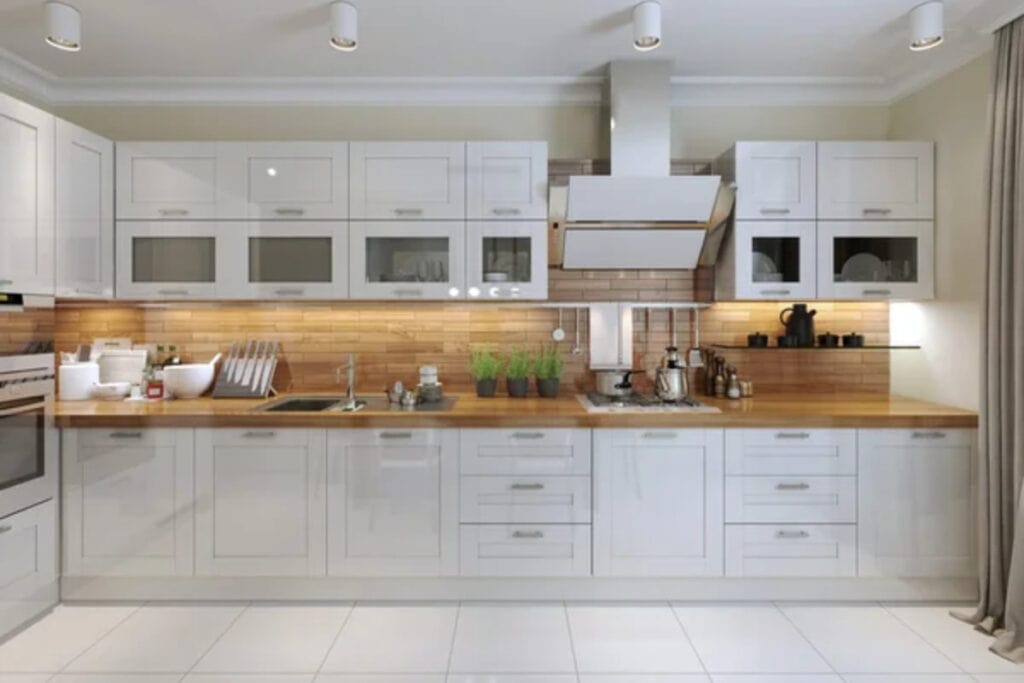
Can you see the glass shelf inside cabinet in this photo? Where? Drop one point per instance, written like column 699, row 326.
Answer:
column 507, row 259
column 407, row 259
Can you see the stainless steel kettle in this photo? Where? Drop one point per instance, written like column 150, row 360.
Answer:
column 670, row 380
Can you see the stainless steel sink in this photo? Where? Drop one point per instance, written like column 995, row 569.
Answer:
column 339, row 404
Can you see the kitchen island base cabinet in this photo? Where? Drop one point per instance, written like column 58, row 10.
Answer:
column 658, row 502
column 127, row 502
column 260, row 508
column 393, row 502
column 915, row 503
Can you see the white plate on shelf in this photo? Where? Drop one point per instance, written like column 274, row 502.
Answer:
column 863, row 267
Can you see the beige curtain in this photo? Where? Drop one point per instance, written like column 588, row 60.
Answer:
column 1001, row 437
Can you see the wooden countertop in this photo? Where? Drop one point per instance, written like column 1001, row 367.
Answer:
column 783, row 410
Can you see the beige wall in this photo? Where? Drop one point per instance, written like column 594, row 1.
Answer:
column 954, row 113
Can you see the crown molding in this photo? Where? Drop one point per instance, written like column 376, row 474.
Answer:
column 23, row 76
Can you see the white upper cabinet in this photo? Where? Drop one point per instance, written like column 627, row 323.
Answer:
column 177, row 259
column 172, row 181
column 291, row 260
column 774, row 180
column 289, row 180
column 26, row 198
column 915, row 505
column 658, row 502
column 876, row 180
column 507, row 180
column 507, row 260
column 84, row 213
column 768, row 260
column 407, row 259
column 408, row 180
column 876, row 260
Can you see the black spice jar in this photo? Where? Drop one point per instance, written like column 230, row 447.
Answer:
column 757, row 340
column 853, row 340
column 828, row 340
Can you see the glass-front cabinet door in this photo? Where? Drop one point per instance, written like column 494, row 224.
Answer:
column 876, row 260
column 171, row 259
column 507, row 260
column 407, row 260
column 775, row 260
column 295, row 260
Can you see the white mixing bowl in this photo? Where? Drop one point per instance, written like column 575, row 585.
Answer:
column 190, row 380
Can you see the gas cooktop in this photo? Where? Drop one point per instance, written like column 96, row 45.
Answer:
column 594, row 402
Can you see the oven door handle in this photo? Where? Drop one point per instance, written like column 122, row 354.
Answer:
column 7, row 412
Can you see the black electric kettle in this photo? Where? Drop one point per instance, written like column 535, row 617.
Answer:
column 799, row 324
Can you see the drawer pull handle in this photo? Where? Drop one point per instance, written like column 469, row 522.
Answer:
column 286, row 211
column 793, row 435
column 396, row 435
column 93, row 292
column 928, row 435
column 776, row 292
column 407, row 292
column 506, row 212
column 783, row 486
column 536, row 486
column 408, row 212
column 527, row 534
column 173, row 212
column 5, row 283
column 125, row 435
column 259, row 435
column 877, row 212
column 774, row 212
column 877, row 292
column 660, row 435
column 791, row 534
column 528, row 435
column 173, row 292
column 290, row 291
column 5, row 528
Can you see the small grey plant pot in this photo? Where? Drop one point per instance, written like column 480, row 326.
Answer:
column 547, row 387
column 486, row 388
column 518, row 388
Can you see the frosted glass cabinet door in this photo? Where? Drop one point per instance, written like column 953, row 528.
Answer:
column 26, row 198
column 775, row 180
column 775, row 259
column 295, row 260
column 891, row 180
column 173, row 181
column 408, row 180
column 507, row 259
column 407, row 259
column 84, row 213
column 876, row 260
column 507, row 180
column 173, row 259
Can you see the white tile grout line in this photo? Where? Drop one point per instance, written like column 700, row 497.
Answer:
column 807, row 640
column 101, row 637
column 688, row 639
column 921, row 636
column 334, row 641
column 216, row 640
column 451, row 648
column 572, row 641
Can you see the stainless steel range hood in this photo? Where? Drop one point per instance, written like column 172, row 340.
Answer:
column 640, row 216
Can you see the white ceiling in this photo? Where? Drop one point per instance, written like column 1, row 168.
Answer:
column 181, row 49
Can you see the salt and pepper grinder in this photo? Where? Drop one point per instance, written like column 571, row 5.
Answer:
column 733, row 388
column 720, row 381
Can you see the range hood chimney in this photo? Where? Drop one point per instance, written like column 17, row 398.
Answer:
column 640, row 216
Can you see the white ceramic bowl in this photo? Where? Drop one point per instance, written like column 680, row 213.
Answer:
column 111, row 391
column 190, row 380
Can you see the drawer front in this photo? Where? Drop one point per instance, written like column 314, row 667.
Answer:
column 917, row 437
column 517, row 550
column 797, row 550
column 821, row 500
column 525, row 451
column 260, row 437
column 525, row 500
column 28, row 565
column 663, row 437
column 126, row 437
column 791, row 451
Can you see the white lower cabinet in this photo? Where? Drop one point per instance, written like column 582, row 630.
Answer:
column 771, row 500
column 127, row 502
column 28, row 564
column 658, row 501
column 915, row 507
column 525, row 550
column 392, row 502
column 805, row 550
column 260, row 502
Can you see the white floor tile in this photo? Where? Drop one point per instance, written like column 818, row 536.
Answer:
column 866, row 639
column 248, row 678
column 967, row 647
column 644, row 678
column 115, row 678
column 380, row 678
column 638, row 639
column 59, row 637
column 907, row 678
column 512, row 678
column 999, row 678
column 512, row 639
column 162, row 638
column 753, row 638
column 25, row 678
column 776, row 678
column 394, row 639
column 276, row 639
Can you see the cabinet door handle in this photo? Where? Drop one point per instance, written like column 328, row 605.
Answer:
column 877, row 292
column 776, row 292
column 928, row 435
column 408, row 212
column 173, row 212
column 407, row 292
column 774, row 212
column 506, row 212
column 93, row 292
column 259, row 435
column 527, row 534
column 535, row 486
column 290, row 211
column 659, row 435
column 791, row 534
column 172, row 292
column 792, row 435
column 395, row 435
column 125, row 435
column 5, row 528
column 877, row 212
column 290, row 291
column 528, row 435
column 5, row 283
column 783, row 486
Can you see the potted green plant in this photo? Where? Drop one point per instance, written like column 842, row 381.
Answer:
column 518, row 367
column 548, row 370
column 485, row 367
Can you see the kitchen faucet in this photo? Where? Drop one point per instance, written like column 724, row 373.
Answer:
column 350, row 389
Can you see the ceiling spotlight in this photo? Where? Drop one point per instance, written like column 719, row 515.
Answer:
column 926, row 26
column 344, row 26
column 63, row 26
column 647, row 25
